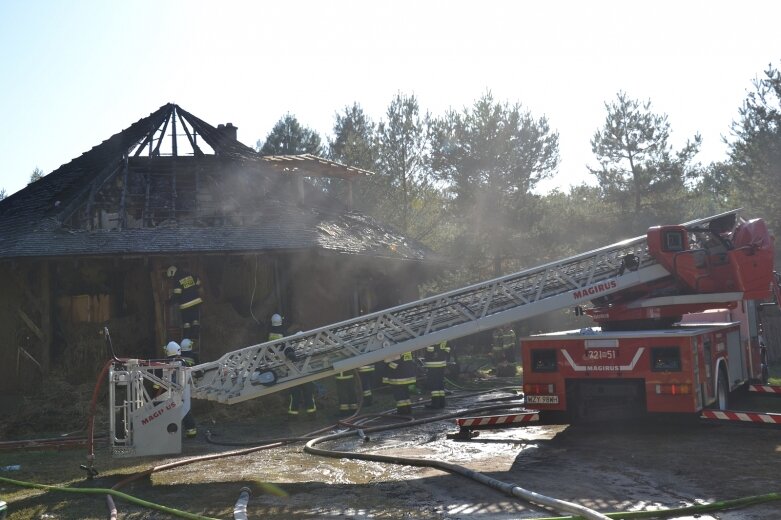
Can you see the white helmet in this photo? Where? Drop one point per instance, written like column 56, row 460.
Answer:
column 171, row 271
column 187, row 345
column 276, row 320
column 173, row 349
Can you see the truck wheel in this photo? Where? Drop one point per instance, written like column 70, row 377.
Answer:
column 722, row 392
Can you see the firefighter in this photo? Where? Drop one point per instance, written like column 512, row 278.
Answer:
column 345, row 391
column 366, row 373
column 190, row 359
column 497, row 347
column 187, row 294
column 176, row 352
column 435, row 361
column 509, row 347
column 299, row 395
column 277, row 330
column 401, row 375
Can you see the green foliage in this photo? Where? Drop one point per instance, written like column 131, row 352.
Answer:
column 577, row 221
column 755, row 150
column 36, row 175
column 716, row 191
column 355, row 144
column 464, row 183
column 775, row 374
column 402, row 174
column 639, row 172
column 489, row 158
column 288, row 137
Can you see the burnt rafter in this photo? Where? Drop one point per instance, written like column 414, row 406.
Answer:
column 151, row 200
column 153, row 136
column 192, row 138
column 159, row 141
column 99, row 164
column 156, row 136
column 218, row 139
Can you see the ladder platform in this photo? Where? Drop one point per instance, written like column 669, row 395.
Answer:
column 468, row 425
column 765, row 389
column 742, row 417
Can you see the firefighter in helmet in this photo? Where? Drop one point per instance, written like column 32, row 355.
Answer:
column 187, row 295
column 176, row 352
column 509, row 347
column 299, row 395
column 435, row 361
column 401, row 375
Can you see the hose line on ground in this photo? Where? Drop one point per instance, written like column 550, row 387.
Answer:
column 509, row 489
column 110, row 492
column 515, row 490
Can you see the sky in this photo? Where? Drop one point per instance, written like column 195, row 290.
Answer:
column 74, row 73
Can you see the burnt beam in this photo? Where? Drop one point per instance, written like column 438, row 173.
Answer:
column 89, row 191
column 162, row 135
column 174, row 150
column 123, row 197
column 196, row 151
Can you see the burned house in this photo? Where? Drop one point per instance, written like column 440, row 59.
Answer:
column 88, row 245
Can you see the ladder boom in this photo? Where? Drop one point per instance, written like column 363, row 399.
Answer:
column 273, row 366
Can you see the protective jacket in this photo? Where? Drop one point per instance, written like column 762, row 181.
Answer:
column 435, row 361
column 186, row 289
column 401, row 374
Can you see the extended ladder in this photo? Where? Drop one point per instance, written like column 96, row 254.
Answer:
column 273, row 366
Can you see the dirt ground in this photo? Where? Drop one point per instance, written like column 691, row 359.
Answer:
column 638, row 466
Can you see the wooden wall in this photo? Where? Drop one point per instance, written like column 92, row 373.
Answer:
column 52, row 312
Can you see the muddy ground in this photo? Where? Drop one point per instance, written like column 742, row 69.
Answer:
column 637, row 466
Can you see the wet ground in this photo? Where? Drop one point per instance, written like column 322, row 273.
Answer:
column 631, row 467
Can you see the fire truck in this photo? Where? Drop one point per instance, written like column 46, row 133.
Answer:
column 678, row 344
column 630, row 286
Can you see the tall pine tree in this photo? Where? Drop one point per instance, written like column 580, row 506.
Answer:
column 639, row 171
column 288, row 137
column 755, row 149
column 491, row 156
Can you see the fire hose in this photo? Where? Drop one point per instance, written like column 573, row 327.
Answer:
column 509, row 489
column 110, row 492
column 667, row 513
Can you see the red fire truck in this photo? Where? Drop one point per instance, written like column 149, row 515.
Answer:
column 676, row 345
column 638, row 288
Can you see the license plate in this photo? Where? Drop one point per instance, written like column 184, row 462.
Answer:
column 542, row 399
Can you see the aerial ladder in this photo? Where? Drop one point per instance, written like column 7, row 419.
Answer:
column 145, row 424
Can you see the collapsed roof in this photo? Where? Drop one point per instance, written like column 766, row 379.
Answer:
column 171, row 183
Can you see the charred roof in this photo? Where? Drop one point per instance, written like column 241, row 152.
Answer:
column 172, row 183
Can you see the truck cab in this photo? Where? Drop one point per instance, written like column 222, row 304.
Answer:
column 591, row 374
